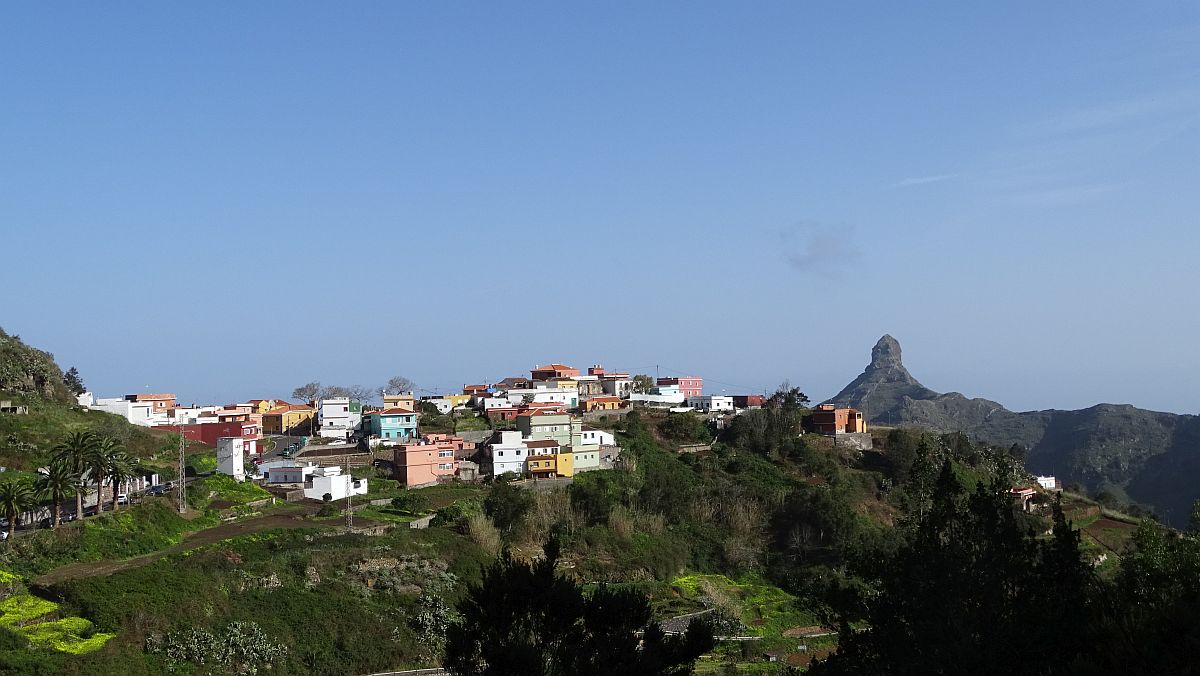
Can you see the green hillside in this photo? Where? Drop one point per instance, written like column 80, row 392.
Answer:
column 30, row 377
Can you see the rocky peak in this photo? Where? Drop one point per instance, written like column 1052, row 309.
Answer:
column 886, row 353
column 884, row 386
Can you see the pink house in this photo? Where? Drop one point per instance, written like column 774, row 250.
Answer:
column 689, row 386
column 426, row 462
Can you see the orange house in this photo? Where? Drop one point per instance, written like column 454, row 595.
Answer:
column 829, row 419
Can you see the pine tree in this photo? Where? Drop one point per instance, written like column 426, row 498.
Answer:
column 73, row 381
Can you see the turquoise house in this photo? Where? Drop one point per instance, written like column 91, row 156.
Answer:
column 391, row 425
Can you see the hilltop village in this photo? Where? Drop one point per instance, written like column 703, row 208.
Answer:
column 540, row 427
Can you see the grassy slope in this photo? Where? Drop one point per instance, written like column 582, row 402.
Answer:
column 25, row 440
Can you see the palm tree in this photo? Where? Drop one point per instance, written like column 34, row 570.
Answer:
column 97, row 466
column 121, row 468
column 75, row 450
column 58, row 482
column 16, row 497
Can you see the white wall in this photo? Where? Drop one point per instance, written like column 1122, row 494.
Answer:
column 331, row 480
column 618, row 387
column 509, row 454
column 231, row 457
column 658, row 399
column 711, row 403
column 335, row 418
column 598, row 437
column 444, row 406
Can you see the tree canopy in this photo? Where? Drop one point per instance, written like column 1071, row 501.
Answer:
column 523, row 618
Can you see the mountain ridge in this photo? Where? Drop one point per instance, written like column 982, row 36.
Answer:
column 1147, row 456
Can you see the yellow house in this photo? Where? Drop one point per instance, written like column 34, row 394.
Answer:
column 565, row 383
column 402, row 401
column 264, row 405
column 457, row 400
column 290, row 419
column 603, row 404
column 551, row 465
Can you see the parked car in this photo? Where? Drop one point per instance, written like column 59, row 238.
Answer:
column 3, row 535
column 158, row 489
column 122, row 499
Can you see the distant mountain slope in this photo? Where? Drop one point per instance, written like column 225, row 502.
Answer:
column 1154, row 457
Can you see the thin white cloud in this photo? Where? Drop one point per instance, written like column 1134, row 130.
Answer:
column 922, row 180
column 1128, row 112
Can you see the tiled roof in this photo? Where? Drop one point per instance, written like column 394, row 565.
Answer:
column 542, row 443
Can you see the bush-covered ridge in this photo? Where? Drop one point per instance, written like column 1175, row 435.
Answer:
column 25, row 370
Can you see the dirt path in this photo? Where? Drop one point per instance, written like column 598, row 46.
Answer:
column 200, row 538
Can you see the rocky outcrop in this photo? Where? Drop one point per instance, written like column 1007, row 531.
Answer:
column 29, row 371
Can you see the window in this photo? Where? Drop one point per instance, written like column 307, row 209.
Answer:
column 500, row 454
column 445, row 454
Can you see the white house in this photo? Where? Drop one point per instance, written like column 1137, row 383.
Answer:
column 712, row 403
column 508, row 454
column 545, row 395
column 444, row 406
column 136, row 412
column 591, row 437
column 286, row 472
column 231, row 456
column 1047, row 482
column 331, row 481
column 192, row 415
column 339, row 417
column 617, row 387
column 500, row 402
column 664, row 400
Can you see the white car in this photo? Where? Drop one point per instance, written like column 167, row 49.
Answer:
column 122, row 499
column 3, row 535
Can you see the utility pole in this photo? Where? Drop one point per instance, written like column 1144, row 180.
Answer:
column 349, row 491
column 182, row 473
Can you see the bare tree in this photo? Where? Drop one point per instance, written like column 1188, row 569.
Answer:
column 336, row 391
column 398, row 384
column 308, row 393
column 361, row 393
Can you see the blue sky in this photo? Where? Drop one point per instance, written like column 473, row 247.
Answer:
column 227, row 200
